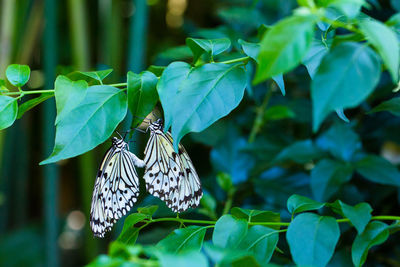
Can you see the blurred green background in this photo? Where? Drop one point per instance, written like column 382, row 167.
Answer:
column 44, row 209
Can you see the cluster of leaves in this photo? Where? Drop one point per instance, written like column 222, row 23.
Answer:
column 250, row 237
column 344, row 52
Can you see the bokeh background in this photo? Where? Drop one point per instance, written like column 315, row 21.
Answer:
column 44, row 209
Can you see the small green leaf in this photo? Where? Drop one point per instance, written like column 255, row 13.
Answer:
column 229, row 231
column 129, row 232
column 224, row 180
column 359, row 215
column 122, row 250
column 183, row 239
column 69, row 95
column 90, row 123
column 8, row 111
column 328, row 176
column 351, row 8
column 312, row 239
column 374, row 234
column 378, row 170
column 257, row 216
column 148, row 210
column 300, row 152
column 98, row 75
column 142, row 95
column 314, row 56
column 189, row 258
column 296, row 204
column 157, row 70
column 386, row 43
column 392, row 105
column 338, row 88
column 18, row 75
column 278, row 112
column 284, row 46
column 211, row 47
column 28, row 105
column 261, row 241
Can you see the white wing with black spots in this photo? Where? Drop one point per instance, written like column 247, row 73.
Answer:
column 116, row 188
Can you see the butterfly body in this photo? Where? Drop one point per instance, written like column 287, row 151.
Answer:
column 116, row 188
column 169, row 175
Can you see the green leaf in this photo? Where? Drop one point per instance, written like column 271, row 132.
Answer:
column 374, row 234
column 296, row 204
column 351, row 8
column 18, row 75
column 341, row 141
column 328, row 176
column 106, row 261
column 278, row 112
column 197, row 97
column 257, row 216
column 252, row 50
column 314, row 56
column 359, row 215
column 211, row 47
column 378, row 170
column 312, row 239
column 129, row 232
column 229, row 231
column 224, row 180
column 69, row 95
column 229, row 257
column 98, row 75
column 90, row 123
column 392, row 105
column 385, row 41
column 337, row 88
column 142, row 95
column 190, row 258
column 8, row 111
column 300, row 152
column 121, row 250
column 183, row 239
column 148, row 210
column 284, row 46
column 157, row 70
column 28, row 105
column 261, row 241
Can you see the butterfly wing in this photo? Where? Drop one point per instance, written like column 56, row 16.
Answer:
column 163, row 170
column 116, row 190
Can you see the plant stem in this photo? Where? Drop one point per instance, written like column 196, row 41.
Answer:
column 29, row 92
column 118, row 84
column 229, row 202
column 339, row 24
column 259, row 121
column 235, row 60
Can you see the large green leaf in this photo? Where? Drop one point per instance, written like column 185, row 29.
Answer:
column 374, row 234
column 314, row 56
column 385, row 41
column 312, row 239
column 328, row 176
column 8, row 111
column 211, row 47
column 69, row 95
column 197, row 97
column 142, row 95
column 297, row 203
column 300, row 152
column 261, row 241
column 28, row 105
column 378, row 170
column 18, row 75
column 229, row 231
column 129, row 232
column 189, row 258
column 189, row 238
column 346, row 86
column 90, row 123
column 284, row 46
column 257, row 216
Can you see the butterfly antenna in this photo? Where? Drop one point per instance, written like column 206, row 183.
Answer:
column 126, row 132
column 140, row 130
column 119, row 135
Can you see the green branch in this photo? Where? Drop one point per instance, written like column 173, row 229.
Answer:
column 339, row 24
column 235, row 60
column 29, row 92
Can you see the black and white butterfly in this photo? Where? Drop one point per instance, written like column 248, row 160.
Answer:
column 116, row 187
column 169, row 175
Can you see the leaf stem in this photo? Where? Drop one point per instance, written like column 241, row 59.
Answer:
column 259, row 121
column 339, row 24
column 29, row 92
column 235, row 60
column 118, row 84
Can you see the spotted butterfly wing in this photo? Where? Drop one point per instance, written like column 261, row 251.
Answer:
column 169, row 175
column 116, row 187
